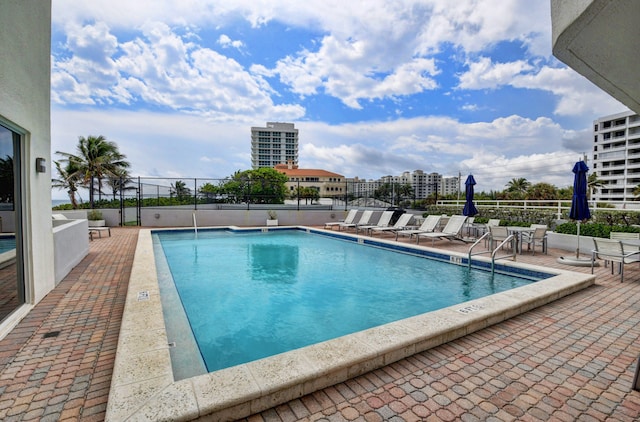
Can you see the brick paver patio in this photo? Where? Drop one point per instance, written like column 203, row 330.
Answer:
column 571, row 360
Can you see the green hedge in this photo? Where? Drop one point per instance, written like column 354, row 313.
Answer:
column 594, row 229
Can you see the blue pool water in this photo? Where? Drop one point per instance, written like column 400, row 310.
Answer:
column 7, row 244
column 253, row 295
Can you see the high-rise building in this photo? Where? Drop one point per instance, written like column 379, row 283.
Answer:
column 616, row 156
column 277, row 143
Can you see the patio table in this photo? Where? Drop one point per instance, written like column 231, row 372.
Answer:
column 517, row 232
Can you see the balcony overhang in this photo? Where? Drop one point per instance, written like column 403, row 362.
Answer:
column 599, row 40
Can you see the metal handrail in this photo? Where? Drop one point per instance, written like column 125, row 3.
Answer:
column 495, row 251
column 487, row 234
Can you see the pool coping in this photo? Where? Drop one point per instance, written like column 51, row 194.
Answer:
column 143, row 387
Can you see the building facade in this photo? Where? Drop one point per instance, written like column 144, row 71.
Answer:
column 277, row 143
column 326, row 183
column 423, row 184
column 25, row 151
column 616, row 156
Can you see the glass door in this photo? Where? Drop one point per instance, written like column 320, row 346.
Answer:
column 12, row 293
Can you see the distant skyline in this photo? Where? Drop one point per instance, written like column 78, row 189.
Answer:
column 375, row 88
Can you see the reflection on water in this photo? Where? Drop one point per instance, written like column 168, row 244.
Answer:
column 274, row 263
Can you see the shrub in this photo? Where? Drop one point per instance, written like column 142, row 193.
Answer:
column 94, row 215
column 594, row 229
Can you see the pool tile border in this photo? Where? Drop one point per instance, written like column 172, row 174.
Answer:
column 142, row 386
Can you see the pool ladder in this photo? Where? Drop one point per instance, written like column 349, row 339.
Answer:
column 195, row 225
column 494, row 258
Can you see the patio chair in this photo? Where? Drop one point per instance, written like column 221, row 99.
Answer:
column 469, row 226
column 428, row 226
column 401, row 224
column 612, row 250
column 348, row 219
column 537, row 237
column 385, row 219
column 490, row 223
column 497, row 235
column 626, row 236
column 364, row 219
column 450, row 232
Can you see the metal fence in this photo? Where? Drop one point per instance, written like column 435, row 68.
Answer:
column 221, row 194
column 132, row 195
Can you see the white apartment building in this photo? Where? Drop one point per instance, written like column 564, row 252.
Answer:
column 616, row 156
column 423, row 184
column 277, row 143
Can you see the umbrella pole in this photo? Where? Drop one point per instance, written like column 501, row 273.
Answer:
column 578, row 247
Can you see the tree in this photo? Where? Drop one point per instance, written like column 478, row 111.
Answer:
column 517, row 188
column 593, row 183
column 542, row 191
column 404, row 191
column 67, row 180
column 307, row 193
column 119, row 183
column 383, row 192
column 209, row 191
column 95, row 159
column 180, row 190
column 263, row 185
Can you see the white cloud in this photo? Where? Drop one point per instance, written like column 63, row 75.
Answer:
column 153, row 55
column 227, row 42
column 577, row 95
column 162, row 69
column 484, row 74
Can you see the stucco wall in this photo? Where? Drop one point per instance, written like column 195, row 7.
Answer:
column 71, row 245
column 25, row 50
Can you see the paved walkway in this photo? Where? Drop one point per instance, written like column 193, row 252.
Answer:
column 571, row 360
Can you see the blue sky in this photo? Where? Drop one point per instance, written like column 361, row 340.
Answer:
column 376, row 88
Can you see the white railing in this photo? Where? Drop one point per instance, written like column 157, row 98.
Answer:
column 558, row 205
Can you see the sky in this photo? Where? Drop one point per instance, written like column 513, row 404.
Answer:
column 375, row 87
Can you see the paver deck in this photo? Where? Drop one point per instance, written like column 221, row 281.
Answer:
column 573, row 359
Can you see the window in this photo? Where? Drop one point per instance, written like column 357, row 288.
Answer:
column 12, row 293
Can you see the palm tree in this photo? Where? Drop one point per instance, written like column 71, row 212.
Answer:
column 180, row 190
column 67, row 181
column 518, row 186
column 119, row 183
column 593, row 183
column 95, row 159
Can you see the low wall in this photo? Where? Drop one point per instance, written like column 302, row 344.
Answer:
column 183, row 217
column 569, row 242
column 70, row 245
column 158, row 217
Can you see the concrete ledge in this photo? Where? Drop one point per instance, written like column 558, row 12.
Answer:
column 143, row 388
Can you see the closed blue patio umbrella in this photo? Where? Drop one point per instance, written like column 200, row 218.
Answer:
column 469, row 208
column 579, row 205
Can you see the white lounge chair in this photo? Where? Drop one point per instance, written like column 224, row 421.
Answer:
column 401, row 224
column 385, row 219
column 450, row 232
column 351, row 215
column 428, row 226
column 364, row 219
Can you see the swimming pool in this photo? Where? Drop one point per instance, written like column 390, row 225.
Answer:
column 143, row 385
column 7, row 243
column 251, row 295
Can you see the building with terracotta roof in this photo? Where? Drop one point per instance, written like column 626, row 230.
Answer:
column 277, row 143
column 325, row 182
